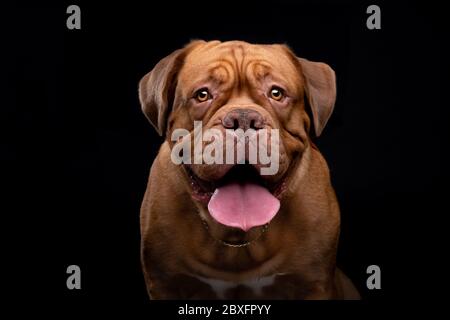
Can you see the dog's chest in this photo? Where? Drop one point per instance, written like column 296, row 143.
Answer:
column 252, row 288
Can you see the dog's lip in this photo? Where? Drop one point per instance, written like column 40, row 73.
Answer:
column 202, row 190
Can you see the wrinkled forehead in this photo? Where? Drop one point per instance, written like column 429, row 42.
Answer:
column 230, row 62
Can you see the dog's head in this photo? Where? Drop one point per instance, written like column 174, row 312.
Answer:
column 230, row 86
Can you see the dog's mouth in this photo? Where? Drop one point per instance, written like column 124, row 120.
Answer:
column 242, row 198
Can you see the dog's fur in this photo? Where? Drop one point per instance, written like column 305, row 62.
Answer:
column 184, row 257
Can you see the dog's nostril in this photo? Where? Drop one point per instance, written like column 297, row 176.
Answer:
column 236, row 124
column 256, row 121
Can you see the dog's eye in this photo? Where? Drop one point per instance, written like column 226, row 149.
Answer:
column 202, row 95
column 276, row 93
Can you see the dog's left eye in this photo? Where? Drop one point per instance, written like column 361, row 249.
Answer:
column 276, row 93
column 202, row 95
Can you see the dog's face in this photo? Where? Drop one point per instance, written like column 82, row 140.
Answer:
column 237, row 85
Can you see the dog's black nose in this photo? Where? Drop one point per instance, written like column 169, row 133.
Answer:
column 243, row 119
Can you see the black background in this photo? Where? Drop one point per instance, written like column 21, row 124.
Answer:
column 77, row 148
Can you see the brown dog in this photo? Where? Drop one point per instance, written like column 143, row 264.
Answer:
column 205, row 227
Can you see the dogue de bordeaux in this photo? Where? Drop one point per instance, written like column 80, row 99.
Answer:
column 224, row 231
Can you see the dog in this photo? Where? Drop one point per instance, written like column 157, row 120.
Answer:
column 225, row 231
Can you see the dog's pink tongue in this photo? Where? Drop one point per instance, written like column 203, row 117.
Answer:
column 243, row 205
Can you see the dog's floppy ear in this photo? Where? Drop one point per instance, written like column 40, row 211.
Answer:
column 320, row 90
column 157, row 88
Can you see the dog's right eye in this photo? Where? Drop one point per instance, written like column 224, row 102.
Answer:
column 202, row 95
column 276, row 93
